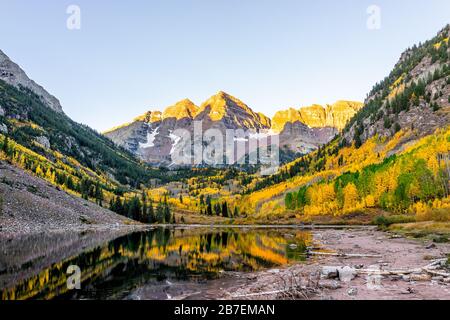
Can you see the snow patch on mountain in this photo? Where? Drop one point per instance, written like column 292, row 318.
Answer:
column 175, row 139
column 151, row 135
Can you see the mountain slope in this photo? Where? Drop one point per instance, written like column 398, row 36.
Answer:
column 31, row 205
column 415, row 95
column 43, row 130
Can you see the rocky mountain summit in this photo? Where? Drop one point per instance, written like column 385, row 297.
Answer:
column 12, row 74
column 151, row 135
column 225, row 111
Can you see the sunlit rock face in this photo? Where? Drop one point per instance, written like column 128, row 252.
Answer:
column 12, row 74
column 182, row 109
column 316, row 116
column 153, row 136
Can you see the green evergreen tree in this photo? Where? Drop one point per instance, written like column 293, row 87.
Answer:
column 225, row 209
column 151, row 217
column 217, row 209
column 160, row 213
column 5, row 146
column 288, row 201
column 209, row 210
column 98, row 194
column 144, row 214
column 134, row 209
column 167, row 214
column 236, row 212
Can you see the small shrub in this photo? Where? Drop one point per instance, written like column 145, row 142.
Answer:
column 386, row 221
column 433, row 214
column 380, row 221
column 440, row 239
column 387, row 123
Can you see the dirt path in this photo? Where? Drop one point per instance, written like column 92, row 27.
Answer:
column 396, row 253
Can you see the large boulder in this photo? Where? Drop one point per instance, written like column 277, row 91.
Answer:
column 329, row 272
column 345, row 274
column 3, row 128
column 43, row 141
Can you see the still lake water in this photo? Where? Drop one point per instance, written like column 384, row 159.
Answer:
column 146, row 264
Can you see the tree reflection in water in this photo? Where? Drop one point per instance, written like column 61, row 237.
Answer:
column 112, row 269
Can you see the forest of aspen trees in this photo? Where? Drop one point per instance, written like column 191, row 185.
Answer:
column 414, row 182
column 82, row 183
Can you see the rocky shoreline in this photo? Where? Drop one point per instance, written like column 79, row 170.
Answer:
column 341, row 276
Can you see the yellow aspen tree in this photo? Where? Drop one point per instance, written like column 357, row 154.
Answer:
column 39, row 171
column 48, row 174
column 392, row 179
column 22, row 161
column 350, row 197
column 370, row 201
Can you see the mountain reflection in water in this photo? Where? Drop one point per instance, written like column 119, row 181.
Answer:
column 112, row 270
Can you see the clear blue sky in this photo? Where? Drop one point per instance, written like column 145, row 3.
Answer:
column 132, row 56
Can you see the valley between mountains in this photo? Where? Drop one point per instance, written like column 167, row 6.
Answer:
column 384, row 162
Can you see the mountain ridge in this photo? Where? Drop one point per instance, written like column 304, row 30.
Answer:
column 318, row 116
column 301, row 130
column 11, row 73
